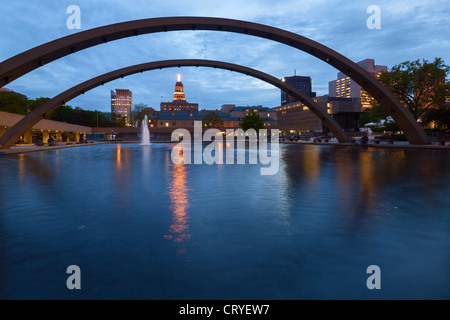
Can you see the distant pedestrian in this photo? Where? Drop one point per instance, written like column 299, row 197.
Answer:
column 364, row 140
column 51, row 141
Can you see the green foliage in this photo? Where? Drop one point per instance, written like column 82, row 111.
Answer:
column 377, row 113
column 13, row 103
column 212, row 120
column 20, row 104
column 252, row 121
column 139, row 112
column 364, row 118
column 422, row 88
column 86, row 118
column 440, row 117
column 389, row 126
column 420, row 85
column 34, row 103
column 17, row 103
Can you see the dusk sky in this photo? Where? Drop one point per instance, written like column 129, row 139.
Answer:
column 410, row 29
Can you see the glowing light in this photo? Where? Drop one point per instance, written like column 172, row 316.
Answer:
column 119, row 157
column 179, row 78
column 179, row 204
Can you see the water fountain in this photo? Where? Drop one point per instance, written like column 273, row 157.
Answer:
column 145, row 132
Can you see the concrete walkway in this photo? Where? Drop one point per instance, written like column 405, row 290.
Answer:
column 371, row 144
column 34, row 148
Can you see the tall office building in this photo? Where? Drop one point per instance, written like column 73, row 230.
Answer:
column 344, row 87
column 179, row 102
column 299, row 82
column 122, row 103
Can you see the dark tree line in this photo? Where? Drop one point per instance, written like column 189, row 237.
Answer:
column 20, row 104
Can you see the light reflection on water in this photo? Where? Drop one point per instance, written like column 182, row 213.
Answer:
column 179, row 205
column 142, row 227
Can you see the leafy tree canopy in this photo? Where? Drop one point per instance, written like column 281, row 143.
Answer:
column 20, row 104
column 420, row 85
column 212, row 120
column 252, row 121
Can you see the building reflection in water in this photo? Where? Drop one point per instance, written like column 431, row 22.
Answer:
column 360, row 185
column 21, row 166
column 346, row 177
column 312, row 165
column 367, row 181
column 302, row 166
column 362, row 175
column 284, row 195
column 122, row 173
column 119, row 158
column 39, row 167
column 179, row 205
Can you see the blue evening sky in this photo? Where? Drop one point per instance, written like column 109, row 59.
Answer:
column 410, row 29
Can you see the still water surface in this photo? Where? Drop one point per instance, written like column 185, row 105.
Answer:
column 141, row 227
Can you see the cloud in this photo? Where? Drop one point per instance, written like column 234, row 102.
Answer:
column 411, row 29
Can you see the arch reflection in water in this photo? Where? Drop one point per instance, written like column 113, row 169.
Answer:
column 179, row 205
column 122, row 173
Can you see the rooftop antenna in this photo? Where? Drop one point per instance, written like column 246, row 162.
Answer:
column 295, row 72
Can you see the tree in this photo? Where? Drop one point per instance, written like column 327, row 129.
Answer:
column 34, row 103
column 364, row 118
column 420, row 85
column 139, row 112
column 13, row 103
column 62, row 114
column 440, row 117
column 121, row 121
column 86, row 118
column 20, row 104
column 17, row 103
column 212, row 120
column 253, row 121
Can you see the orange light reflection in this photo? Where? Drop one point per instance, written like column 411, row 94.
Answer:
column 179, row 204
column 119, row 157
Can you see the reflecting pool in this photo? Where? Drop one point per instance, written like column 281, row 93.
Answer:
column 141, row 227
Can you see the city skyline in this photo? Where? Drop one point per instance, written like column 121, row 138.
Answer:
column 122, row 103
column 403, row 29
column 231, row 166
column 179, row 102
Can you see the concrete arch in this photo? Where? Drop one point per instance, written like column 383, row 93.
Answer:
column 8, row 139
column 25, row 62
